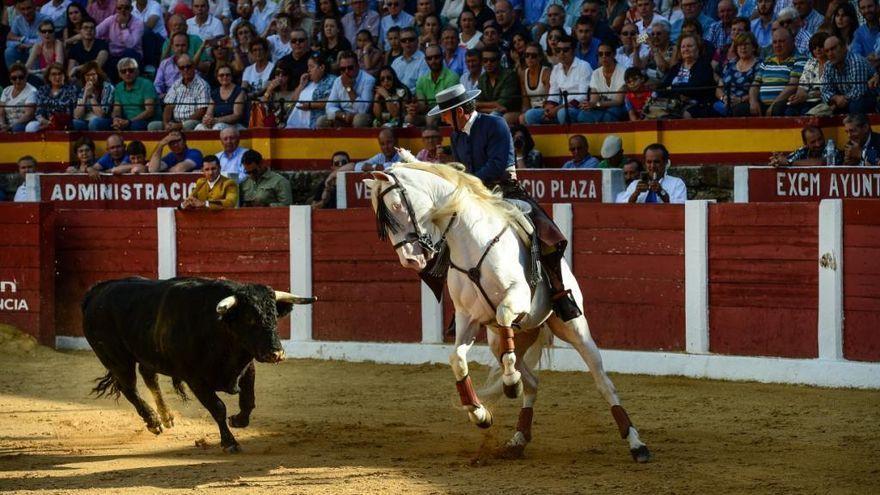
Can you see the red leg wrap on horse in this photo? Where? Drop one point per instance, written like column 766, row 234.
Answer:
column 524, row 424
column 466, row 392
column 507, row 339
column 623, row 422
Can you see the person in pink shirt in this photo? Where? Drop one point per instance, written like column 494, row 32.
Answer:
column 101, row 9
column 123, row 33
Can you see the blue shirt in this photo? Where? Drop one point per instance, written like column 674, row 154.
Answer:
column 106, row 162
column 172, row 159
column 457, row 64
column 764, row 34
column 403, row 20
column 340, row 101
column 377, row 159
column 588, row 162
column 487, row 151
column 864, row 40
column 409, row 71
column 532, row 10
column 704, row 20
column 592, row 54
column 30, row 33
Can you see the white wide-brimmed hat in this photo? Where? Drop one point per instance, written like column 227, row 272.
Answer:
column 452, row 97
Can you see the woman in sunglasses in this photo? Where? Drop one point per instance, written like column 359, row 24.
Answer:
column 55, row 102
column 311, row 95
column 227, row 102
column 17, row 101
column 244, row 35
column 534, row 80
column 553, row 37
column 607, row 88
column 49, row 50
column 389, row 98
column 631, row 53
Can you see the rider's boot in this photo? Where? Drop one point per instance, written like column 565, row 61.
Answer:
column 563, row 302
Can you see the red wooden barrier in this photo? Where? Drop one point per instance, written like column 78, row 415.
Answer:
column 812, row 183
column 629, row 262
column 861, row 280
column 763, row 279
column 133, row 192
column 96, row 245
column 363, row 292
column 27, row 258
column 249, row 245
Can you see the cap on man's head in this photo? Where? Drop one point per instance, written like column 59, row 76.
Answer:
column 611, row 146
column 452, row 97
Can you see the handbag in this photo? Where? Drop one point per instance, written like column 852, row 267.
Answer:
column 59, row 121
column 260, row 116
column 663, row 108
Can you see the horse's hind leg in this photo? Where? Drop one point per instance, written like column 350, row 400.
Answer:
column 152, row 382
column 577, row 333
column 465, row 334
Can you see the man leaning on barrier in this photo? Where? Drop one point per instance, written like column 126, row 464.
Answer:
column 212, row 191
column 655, row 185
column 263, row 187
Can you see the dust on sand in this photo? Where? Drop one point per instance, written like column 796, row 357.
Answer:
column 330, row 427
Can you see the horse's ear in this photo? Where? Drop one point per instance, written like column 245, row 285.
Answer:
column 381, row 176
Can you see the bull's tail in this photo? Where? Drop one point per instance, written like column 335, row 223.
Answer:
column 106, row 386
column 178, row 387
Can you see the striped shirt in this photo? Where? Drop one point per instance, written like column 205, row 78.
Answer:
column 188, row 99
column 849, row 80
column 774, row 75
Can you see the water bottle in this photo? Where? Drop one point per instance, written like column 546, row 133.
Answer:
column 830, row 153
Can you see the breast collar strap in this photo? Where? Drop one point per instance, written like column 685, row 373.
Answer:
column 474, row 273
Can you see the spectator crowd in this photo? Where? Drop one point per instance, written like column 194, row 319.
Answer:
column 212, row 64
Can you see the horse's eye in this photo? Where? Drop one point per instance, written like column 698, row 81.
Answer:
column 397, row 206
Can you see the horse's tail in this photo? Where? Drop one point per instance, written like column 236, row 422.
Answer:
column 493, row 387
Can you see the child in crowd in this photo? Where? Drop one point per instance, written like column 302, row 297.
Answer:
column 637, row 93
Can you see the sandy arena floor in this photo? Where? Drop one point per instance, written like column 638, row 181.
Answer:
column 334, row 428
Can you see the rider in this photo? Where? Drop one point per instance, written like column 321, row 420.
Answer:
column 483, row 144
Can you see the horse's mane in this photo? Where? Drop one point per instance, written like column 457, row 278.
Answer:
column 468, row 188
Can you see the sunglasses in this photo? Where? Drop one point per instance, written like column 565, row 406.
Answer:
column 628, row 33
column 130, row 70
column 16, row 78
column 185, row 67
column 606, row 54
column 297, row 40
column 490, row 59
column 407, row 40
column 347, row 68
column 433, row 57
column 46, row 31
column 532, row 55
column 563, row 49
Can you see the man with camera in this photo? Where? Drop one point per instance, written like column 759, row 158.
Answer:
column 655, row 186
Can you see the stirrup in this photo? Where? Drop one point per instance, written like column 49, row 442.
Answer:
column 564, row 306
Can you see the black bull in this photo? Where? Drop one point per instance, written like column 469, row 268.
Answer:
column 205, row 333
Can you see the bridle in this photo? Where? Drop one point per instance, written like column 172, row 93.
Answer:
column 385, row 222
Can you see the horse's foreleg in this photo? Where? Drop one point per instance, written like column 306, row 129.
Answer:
column 465, row 334
column 508, row 315
column 577, row 333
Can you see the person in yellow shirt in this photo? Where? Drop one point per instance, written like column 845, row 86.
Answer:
column 212, row 191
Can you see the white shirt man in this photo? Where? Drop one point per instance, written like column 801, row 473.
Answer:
column 673, row 186
column 151, row 9
column 211, row 29
column 576, row 81
column 56, row 11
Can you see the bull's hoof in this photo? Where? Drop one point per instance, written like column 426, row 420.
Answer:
column 239, row 420
column 168, row 421
column 513, row 391
column 510, row 451
column 235, row 448
column 155, row 428
column 641, row 454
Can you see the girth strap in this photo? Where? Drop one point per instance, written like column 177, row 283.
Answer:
column 474, row 273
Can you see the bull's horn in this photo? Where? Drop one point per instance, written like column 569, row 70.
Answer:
column 226, row 304
column 287, row 297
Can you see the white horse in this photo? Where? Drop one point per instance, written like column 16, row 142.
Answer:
column 425, row 209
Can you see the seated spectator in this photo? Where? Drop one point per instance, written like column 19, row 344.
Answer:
column 637, row 93
column 360, row 17
column 612, row 152
column 777, row 77
column 83, row 159
column 762, row 25
column 280, row 43
column 473, row 62
column 737, row 77
column 137, row 159
column 122, row 32
column 707, row 48
column 691, row 10
column 151, row 14
column 231, row 154
column 194, row 47
column 180, row 157
column 438, row 78
column 553, row 37
column 429, row 33
column 394, row 50
column 24, row 32
column 661, row 53
column 256, row 76
column 203, row 24
column 480, row 11
column 74, row 17
column 809, row 91
column 844, row 86
column 115, row 158
column 325, row 195
column 133, row 100
column 54, row 103
column 101, row 9
column 349, row 101
column 865, row 37
column 298, row 58
column 431, row 139
column 26, row 165
column 719, row 32
column 691, row 80
column 648, row 16
column 263, row 187
column 187, row 101
column 246, row 13
column 242, row 36
column 451, row 11
column 212, row 190
column 534, row 80
column 555, row 13
column 49, row 50
column 279, row 94
column 727, row 53
column 333, row 43
column 453, row 53
column 470, row 36
column 87, row 49
column 168, row 73
column 580, row 153
column 812, row 153
column 570, row 76
column 227, row 107
column 221, row 56
column 499, row 89
column 424, row 8
column 587, row 45
column 658, row 186
column 395, row 17
column 632, row 170
column 18, row 101
column 325, row 9
column 369, row 57
column 410, row 65
column 524, row 148
column 596, row 11
column 607, row 86
column 390, row 98
column 491, row 40
column 95, row 102
column 863, row 147
column 631, row 53
column 845, row 23
column 387, row 156
column 311, row 95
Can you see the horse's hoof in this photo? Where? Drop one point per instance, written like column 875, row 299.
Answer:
column 155, row 428
column 235, row 448
column 511, row 451
column 641, row 454
column 483, row 423
column 239, row 421
column 513, row 391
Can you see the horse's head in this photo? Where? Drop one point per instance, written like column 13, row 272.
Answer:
column 403, row 210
